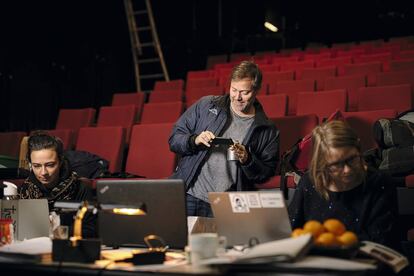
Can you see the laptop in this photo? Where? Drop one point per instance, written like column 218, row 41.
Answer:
column 165, row 217
column 247, row 218
column 30, row 217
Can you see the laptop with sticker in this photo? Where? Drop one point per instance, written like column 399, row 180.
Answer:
column 250, row 217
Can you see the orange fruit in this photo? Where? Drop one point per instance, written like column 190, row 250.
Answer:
column 297, row 232
column 314, row 227
column 326, row 239
column 348, row 238
column 334, row 226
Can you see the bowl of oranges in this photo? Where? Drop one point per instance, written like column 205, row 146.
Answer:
column 331, row 238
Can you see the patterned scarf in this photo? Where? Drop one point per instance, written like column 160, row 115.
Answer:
column 65, row 189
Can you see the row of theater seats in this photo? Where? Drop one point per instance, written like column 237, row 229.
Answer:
column 396, row 45
column 76, row 126
column 127, row 110
column 299, row 70
column 147, row 154
column 293, row 128
column 358, row 94
column 299, row 97
column 349, row 67
column 323, row 103
column 148, row 151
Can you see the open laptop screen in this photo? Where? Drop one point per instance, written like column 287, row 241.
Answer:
column 165, row 217
column 250, row 217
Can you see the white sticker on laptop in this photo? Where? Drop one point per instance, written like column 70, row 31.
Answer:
column 272, row 200
column 253, row 200
column 238, row 203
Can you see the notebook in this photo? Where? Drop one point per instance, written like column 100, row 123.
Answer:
column 165, row 217
column 248, row 218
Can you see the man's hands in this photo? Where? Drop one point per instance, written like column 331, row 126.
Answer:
column 205, row 138
column 241, row 152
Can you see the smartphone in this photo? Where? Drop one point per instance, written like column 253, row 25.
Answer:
column 222, row 141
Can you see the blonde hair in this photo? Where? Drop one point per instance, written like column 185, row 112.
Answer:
column 248, row 69
column 333, row 134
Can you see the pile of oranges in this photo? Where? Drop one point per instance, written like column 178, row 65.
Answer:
column 331, row 233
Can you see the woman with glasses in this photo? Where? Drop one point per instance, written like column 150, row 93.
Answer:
column 340, row 185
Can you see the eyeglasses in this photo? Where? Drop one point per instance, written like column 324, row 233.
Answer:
column 339, row 166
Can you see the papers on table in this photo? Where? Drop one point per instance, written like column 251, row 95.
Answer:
column 36, row 246
column 286, row 254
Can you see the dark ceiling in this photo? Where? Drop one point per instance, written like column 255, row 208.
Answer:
column 75, row 54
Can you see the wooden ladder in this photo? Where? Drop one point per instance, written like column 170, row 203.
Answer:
column 149, row 63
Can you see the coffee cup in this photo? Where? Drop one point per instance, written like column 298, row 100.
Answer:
column 231, row 154
column 204, row 246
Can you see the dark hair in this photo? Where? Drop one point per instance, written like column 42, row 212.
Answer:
column 250, row 70
column 40, row 140
column 332, row 134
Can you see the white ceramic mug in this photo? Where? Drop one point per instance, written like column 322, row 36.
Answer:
column 204, row 246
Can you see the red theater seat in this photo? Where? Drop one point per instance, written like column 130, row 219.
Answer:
column 291, row 89
column 339, row 63
column 65, row 135
column 351, row 84
column 274, row 105
column 200, row 74
column 368, row 69
column 137, row 99
column 169, row 85
column 406, row 54
column 319, row 75
column 292, row 128
column 362, row 122
column 395, row 78
column 124, row 116
column 385, row 58
column 322, row 103
column 402, row 65
column 162, row 96
column 201, row 82
column 73, row 119
column 106, row 142
column 10, row 143
column 154, row 113
column 398, row 97
column 271, row 78
column 194, row 94
column 149, row 154
column 298, row 67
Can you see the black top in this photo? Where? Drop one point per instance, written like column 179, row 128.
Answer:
column 369, row 210
column 68, row 188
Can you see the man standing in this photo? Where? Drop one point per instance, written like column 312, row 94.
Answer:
column 203, row 165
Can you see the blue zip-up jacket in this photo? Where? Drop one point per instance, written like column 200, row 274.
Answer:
column 211, row 113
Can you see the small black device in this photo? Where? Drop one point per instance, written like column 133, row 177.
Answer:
column 222, row 141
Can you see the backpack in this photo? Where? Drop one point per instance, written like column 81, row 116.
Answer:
column 86, row 164
column 295, row 161
column 395, row 139
column 393, row 133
